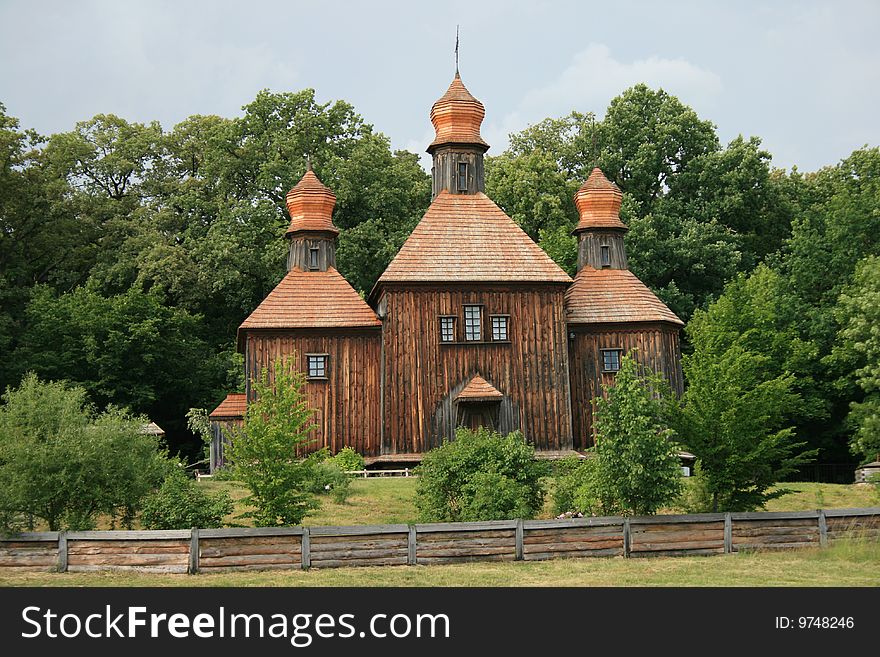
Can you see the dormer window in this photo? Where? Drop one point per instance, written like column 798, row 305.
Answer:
column 605, row 255
column 462, row 176
column 313, row 258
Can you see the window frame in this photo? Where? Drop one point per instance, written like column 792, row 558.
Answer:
column 605, row 255
column 314, row 257
column 462, row 167
column 453, row 319
column 479, row 324
column 506, row 319
column 326, row 367
column 618, row 351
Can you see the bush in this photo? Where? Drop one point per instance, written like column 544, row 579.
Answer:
column 576, row 487
column 481, row 475
column 62, row 462
column 326, row 477
column 695, row 494
column 637, row 467
column 181, row 504
column 348, row 460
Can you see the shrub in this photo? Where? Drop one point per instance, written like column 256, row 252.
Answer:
column 637, row 467
column 326, row 477
column 576, row 487
column 180, row 504
column 263, row 450
column 695, row 494
column 481, row 475
column 348, row 460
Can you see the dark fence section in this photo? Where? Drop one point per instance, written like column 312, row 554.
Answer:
column 215, row 550
column 825, row 473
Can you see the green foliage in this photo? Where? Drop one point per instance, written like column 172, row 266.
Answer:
column 264, row 450
column 62, row 462
column 637, row 469
column 181, row 504
column 481, row 475
column 349, row 460
column 576, row 487
column 737, row 403
column 858, row 314
column 695, row 495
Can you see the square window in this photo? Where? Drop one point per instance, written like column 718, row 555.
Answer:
column 317, row 366
column 611, row 360
column 499, row 327
column 447, row 329
column 473, row 323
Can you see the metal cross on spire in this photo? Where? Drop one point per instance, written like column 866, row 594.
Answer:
column 456, row 49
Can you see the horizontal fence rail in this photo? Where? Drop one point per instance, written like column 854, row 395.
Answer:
column 286, row 548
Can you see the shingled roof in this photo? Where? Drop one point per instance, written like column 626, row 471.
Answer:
column 467, row 238
column 598, row 202
column 311, row 299
column 310, row 205
column 613, row 295
column 478, row 389
column 234, row 405
column 457, row 117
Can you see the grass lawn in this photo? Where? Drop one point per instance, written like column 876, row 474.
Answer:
column 389, row 500
column 844, row 564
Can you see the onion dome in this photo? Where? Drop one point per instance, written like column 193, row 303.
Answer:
column 457, row 116
column 310, row 205
column 598, row 202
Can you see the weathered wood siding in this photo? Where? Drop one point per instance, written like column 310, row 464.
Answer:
column 347, row 403
column 582, row 537
column 333, row 546
column 590, row 245
column 445, row 170
column 158, row 552
column 221, row 435
column 657, row 348
column 227, row 550
column 34, row 551
column 422, row 375
column 670, row 536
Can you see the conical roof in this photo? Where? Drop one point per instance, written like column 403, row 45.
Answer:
column 457, row 117
column 598, row 202
column 467, row 238
column 600, row 296
column 310, row 205
column 478, row 389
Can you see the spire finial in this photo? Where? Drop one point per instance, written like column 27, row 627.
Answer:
column 308, row 162
column 456, row 50
column 593, row 137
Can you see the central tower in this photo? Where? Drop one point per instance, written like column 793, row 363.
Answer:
column 458, row 147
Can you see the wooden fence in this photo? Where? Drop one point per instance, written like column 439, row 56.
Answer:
column 215, row 550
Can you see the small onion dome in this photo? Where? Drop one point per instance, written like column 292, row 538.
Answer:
column 457, row 117
column 598, row 202
column 310, row 205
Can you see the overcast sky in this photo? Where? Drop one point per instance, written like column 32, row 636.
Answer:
column 803, row 76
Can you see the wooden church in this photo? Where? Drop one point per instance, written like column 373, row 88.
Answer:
column 471, row 324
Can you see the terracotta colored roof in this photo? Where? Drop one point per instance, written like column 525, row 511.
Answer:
column 311, row 299
column 234, row 405
column 467, row 238
column 613, row 295
column 457, row 117
column 598, row 202
column 478, row 389
column 310, row 205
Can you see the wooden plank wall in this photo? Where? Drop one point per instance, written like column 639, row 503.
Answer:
column 347, row 403
column 658, row 349
column 242, row 549
column 421, row 373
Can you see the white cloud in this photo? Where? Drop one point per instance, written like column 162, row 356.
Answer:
column 594, row 77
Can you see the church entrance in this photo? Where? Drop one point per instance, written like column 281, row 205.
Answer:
column 473, row 415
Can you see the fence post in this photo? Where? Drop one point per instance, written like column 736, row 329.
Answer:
column 519, row 540
column 411, row 546
column 728, row 533
column 823, row 529
column 626, row 538
column 305, row 549
column 62, row 552
column 194, row 551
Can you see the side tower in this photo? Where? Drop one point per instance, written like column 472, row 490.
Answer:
column 609, row 311
column 314, row 314
column 472, row 310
